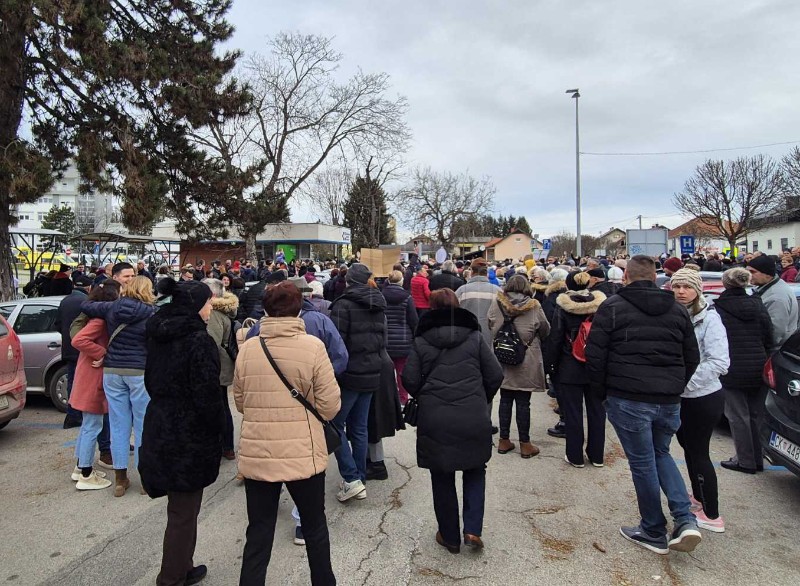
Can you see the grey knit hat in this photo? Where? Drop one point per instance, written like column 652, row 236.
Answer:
column 358, row 273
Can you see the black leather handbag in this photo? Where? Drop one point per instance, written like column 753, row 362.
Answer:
column 411, row 410
column 333, row 436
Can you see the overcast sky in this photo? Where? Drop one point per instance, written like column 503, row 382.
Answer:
column 485, row 81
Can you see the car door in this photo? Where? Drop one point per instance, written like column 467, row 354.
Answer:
column 8, row 359
column 35, row 324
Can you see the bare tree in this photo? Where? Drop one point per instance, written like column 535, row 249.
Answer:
column 733, row 198
column 302, row 115
column 326, row 191
column 790, row 165
column 437, row 201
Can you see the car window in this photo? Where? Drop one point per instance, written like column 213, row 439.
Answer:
column 3, row 329
column 36, row 319
column 6, row 310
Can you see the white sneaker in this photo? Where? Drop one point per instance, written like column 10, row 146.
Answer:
column 93, row 482
column 349, row 490
column 76, row 474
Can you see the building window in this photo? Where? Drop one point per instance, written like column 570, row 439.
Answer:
column 784, row 243
column 24, row 216
column 41, row 216
column 769, row 244
column 755, row 245
column 45, row 199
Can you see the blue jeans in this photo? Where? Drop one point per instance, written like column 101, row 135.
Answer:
column 104, row 435
column 352, row 420
column 645, row 431
column 84, row 447
column 445, row 503
column 127, row 402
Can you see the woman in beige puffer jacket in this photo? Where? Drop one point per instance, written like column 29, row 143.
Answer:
column 281, row 442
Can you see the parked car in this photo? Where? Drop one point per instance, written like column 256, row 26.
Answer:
column 780, row 431
column 34, row 322
column 12, row 375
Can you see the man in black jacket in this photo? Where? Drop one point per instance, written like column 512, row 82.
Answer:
column 360, row 316
column 448, row 278
column 640, row 354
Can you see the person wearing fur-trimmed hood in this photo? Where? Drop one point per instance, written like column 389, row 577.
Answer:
column 573, row 307
column 516, row 302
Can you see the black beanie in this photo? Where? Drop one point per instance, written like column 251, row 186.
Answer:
column 191, row 294
column 763, row 264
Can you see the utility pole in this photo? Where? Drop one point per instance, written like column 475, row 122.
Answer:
column 640, row 221
column 576, row 94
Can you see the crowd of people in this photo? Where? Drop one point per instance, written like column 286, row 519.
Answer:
column 336, row 368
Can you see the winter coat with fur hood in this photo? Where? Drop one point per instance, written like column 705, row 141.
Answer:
column 453, row 374
column 532, row 327
column 551, row 293
column 538, row 291
column 219, row 328
column 573, row 307
column 180, row 443
column 281, row 441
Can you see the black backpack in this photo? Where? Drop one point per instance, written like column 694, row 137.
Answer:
column 508, row 346
column 232, row 346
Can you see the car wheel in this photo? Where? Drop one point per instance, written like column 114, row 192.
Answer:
column 2, row 425
column 57, row 388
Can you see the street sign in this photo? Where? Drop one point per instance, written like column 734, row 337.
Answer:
column 687, row 244
column 546, row 244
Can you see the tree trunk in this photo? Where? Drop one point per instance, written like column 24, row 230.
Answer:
column 732, row 244
column 251, row 252
column 14, row 18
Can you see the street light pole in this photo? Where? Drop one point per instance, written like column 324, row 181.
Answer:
column 576, row 95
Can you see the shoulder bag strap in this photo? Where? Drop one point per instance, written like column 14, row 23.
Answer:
column 293, row 391
column 433, row 367
column 115, row 333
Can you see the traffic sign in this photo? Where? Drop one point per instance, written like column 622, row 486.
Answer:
column 687, row 244
column 546, row 244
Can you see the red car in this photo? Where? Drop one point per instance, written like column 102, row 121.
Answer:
column 12, row 375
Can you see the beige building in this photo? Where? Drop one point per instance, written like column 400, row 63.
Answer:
column 515, row 246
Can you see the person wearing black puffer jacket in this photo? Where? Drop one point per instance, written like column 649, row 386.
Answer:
column 402, row 320
column 641, row 353
column 749, row 329
column 359, row 315
column 123, row 369
column 181, row 448
column 453, row 375
column 574, row 308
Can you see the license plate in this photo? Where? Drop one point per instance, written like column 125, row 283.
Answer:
column 785, row 447
column 3, row 402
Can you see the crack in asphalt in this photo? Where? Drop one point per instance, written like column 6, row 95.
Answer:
column 395, row 503
column 77, row 565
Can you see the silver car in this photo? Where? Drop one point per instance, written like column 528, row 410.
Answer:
column 34, row 321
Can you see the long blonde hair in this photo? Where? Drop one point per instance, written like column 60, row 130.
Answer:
column 140, row 288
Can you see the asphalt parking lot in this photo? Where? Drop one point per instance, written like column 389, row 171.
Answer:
column 546, row 523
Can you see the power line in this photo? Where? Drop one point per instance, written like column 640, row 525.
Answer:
column 742, row 148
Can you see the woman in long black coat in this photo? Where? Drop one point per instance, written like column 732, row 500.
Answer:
column 749, row 331
column 181, row 451
column 453, row 375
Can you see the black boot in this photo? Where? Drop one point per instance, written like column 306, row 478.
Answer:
column 559, row 430
column 377, row 471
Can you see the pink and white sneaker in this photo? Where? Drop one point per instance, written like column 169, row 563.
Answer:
column 714, row 525
column 695, row 505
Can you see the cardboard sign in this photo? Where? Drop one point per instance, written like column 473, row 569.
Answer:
column 380, row 261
